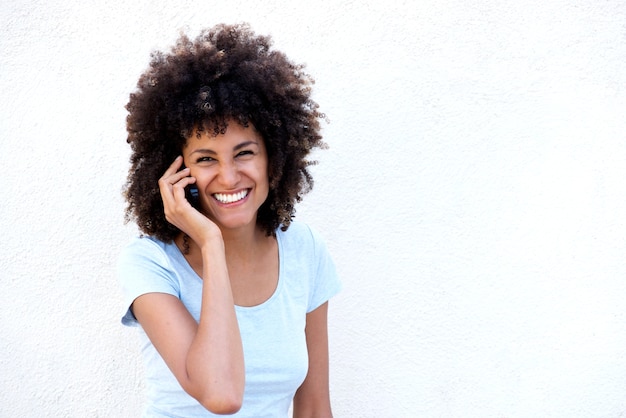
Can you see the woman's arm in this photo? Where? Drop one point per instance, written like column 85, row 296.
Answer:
column 312, row 399
column 206, row 357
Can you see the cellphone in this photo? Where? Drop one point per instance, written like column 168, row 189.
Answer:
column 191, row 194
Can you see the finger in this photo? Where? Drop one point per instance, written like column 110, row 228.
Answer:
column 176, row 177
column 172, row 188
column 172, row 175
column 178, row 188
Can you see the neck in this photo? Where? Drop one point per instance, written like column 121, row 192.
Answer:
column 240, row 244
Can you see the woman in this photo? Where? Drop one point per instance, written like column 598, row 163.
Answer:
column 231, row 296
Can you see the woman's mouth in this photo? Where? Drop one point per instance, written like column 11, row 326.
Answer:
column 231, row 197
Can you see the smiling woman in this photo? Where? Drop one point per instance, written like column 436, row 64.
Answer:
column 230, row 296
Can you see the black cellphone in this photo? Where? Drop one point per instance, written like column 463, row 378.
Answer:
column 191, row 194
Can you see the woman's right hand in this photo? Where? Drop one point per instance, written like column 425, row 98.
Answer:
column 206, row 357
column 178, row 211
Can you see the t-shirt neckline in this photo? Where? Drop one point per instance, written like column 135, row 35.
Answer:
column 183, row 261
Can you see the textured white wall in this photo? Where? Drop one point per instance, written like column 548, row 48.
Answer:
column 473, row 198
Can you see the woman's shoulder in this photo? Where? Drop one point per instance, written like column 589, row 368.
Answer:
column 306, row 251
column 144, row 242
column 301, row 235
column 144, row 246
column 297, row 231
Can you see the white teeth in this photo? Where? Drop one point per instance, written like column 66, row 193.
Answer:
column 230, row 198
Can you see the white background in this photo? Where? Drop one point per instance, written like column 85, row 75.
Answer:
column 473, row 197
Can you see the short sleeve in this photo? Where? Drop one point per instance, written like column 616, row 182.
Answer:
column 143, row 267
column 326, row 283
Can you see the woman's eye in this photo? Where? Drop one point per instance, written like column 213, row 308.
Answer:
column 204, row 159
column 246, row 152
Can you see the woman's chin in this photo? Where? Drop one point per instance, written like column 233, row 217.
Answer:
column 234, row 223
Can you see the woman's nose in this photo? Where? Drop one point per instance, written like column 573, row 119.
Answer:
column 229, row 175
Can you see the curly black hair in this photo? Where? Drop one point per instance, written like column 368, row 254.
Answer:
column 228, row 73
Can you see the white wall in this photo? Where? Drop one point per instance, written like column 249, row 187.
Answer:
column 473, row 198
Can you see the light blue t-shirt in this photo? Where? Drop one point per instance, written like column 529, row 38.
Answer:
column 274, row 344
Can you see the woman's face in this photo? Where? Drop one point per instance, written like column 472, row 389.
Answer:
column 231, row 172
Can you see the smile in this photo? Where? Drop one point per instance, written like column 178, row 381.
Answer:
column 231, row 198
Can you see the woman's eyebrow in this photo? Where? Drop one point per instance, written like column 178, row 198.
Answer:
column 244, row 144
column 235, row 148
column 203, row 151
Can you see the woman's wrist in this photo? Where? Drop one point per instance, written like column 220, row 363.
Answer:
column 208, row 236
